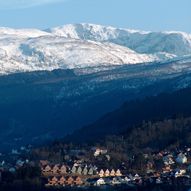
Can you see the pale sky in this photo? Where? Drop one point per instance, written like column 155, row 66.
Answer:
column 152, row 15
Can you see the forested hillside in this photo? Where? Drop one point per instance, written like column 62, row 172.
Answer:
column 134, row 113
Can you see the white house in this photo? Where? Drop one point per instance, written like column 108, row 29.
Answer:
column 99, row 151
column 100, row 181
column 115, row 181
column 181, row 158
column 74, row 170
column 180, row 172
column 136, row 177
column 127, row 179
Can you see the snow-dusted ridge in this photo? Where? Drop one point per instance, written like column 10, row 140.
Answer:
column 172, row 42
column 86, row 45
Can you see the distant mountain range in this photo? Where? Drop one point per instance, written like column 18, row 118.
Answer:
column 86, row 45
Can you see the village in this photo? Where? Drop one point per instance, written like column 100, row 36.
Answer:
column 175, row 167
column 165, row 167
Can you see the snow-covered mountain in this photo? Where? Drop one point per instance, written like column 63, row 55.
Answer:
column 86, row 45
column 53, row 52
column 171, row 42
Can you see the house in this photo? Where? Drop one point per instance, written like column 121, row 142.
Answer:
column 47, row 169
column 78, row 181
column 62, row 181
column 127, row 179
column 70, row 181
column 55, row 169
column 100, row 182
column 101, row 173
column 115, row 181
column 74, row 170
column 179, row 172
column 112, row 173
column 118, row 173
column 79, row 170
column 181, row 158
column 53, row 181
column 85, row 171
column 167, row 169
column 103, row 151
column 91, row 171
column 107, row 173
column 97, row 152
column 63, row 169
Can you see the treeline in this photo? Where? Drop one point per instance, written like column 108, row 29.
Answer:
column 156, row 136
column 130, row 146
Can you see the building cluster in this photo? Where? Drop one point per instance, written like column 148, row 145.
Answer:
column 62, row 169
column 92, row 168
column 99, row 151
column 15, row 159
column 108, row 173
column 77, row 175
column 64, row 181
column 175, row 164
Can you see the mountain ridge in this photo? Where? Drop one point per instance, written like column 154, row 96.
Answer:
column 86, row 45
column 117, row 35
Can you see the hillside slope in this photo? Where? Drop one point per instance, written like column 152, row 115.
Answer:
column 134, row 113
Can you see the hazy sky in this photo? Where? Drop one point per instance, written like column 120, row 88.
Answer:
column 155, row 15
